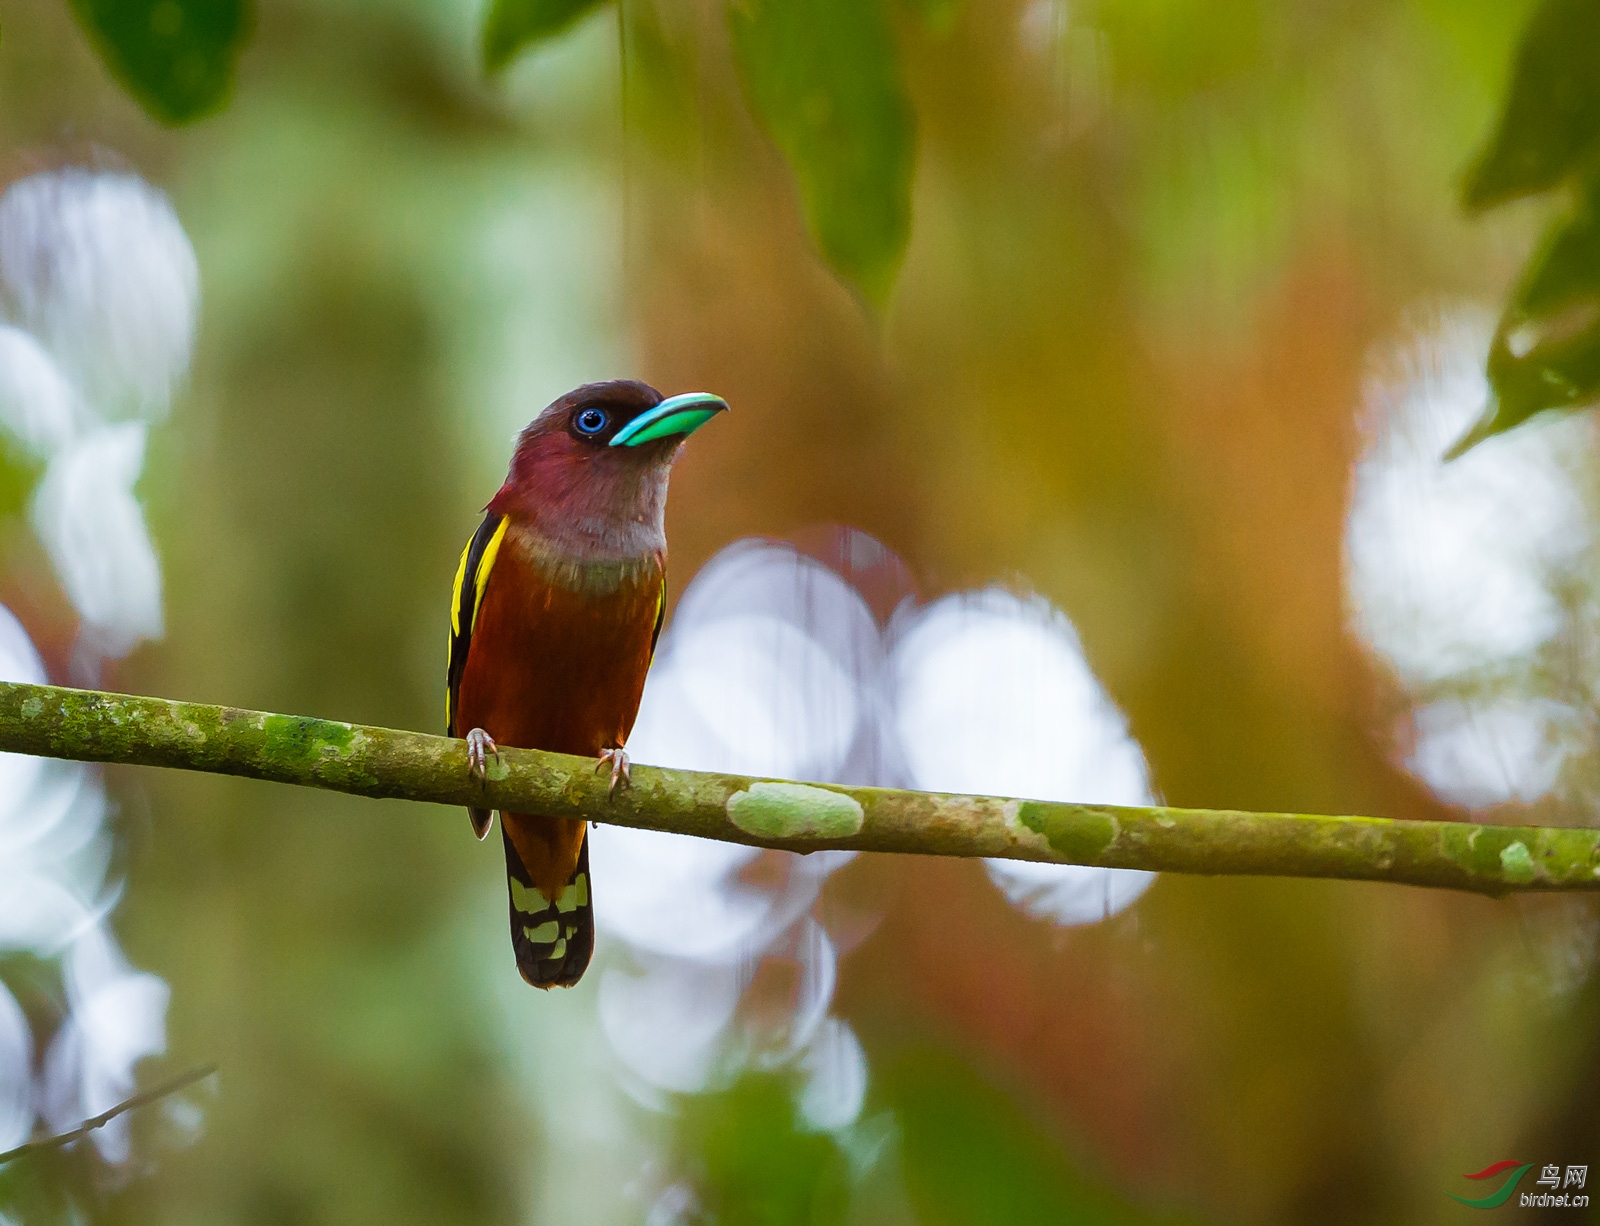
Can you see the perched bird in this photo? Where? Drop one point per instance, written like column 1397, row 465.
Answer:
column 557, row 607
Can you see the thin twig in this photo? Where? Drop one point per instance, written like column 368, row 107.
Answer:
column 100, row 1121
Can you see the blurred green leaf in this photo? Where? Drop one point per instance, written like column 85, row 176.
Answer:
column 661, row 82
column 513, row 24
column 175, row 56
column 824, row 78
column 1550, row 127
column 973, row 1157
column 752, row 1163
column 1546, row 351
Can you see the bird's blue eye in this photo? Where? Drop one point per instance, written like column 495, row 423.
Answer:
column 590, row 421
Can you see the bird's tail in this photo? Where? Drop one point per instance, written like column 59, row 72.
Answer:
column 553, row 938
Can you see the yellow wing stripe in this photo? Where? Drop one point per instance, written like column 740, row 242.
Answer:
column 481, row 579
column 661, row 616
column 455, row 590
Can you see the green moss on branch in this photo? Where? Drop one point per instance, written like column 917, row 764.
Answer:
column 382, row 762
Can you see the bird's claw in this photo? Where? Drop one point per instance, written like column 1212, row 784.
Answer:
column 480, row 748
column 618, row 761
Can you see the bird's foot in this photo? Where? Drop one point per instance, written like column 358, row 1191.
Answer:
column 480, row 748
column 618, row 760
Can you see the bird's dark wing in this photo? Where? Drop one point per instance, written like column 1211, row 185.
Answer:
column 477, row 559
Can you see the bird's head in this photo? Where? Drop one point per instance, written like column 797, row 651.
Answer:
column 590, row 472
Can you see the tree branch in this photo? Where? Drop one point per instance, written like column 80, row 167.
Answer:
column 94, row 727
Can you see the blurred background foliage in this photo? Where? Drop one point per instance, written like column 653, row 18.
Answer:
column 1111, row 279
column 1546, row 351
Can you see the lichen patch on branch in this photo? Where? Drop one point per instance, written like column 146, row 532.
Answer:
column 795, row 811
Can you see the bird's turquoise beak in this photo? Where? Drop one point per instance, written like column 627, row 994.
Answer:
column 676, row 415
